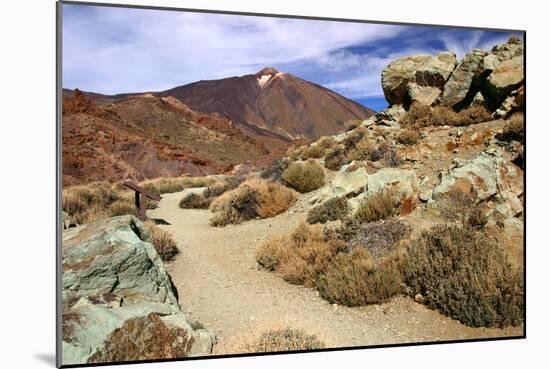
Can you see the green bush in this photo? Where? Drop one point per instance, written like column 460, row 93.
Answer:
column 304, row 177
column 333, row 209
column 465, row 275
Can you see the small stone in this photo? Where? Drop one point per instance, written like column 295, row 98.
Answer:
column 419, row 298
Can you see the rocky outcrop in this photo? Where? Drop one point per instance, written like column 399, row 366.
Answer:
column 459, row 83
column 507, row 77
column 113, row 279
column 480, row 78
column 486, row 176
column 423, row 70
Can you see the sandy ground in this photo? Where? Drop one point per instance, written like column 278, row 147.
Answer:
column 220, row 286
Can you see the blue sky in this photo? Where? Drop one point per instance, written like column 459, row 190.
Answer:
column 115, row 50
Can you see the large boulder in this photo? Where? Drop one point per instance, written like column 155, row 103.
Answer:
column 113, row 278
column 401, row 182
column 424, row 70
column 487, row 175
column 459, row 83
column 344, row 184
column 507, row 77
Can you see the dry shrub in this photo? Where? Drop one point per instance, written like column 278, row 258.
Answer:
column 335, row 157
column 312, row 152
column 379, row 238
column 253, row 198
column 361, row 151
column 194, row 201
column 377, row 206
column 175, row 184
column 271, row 338
column 514, row 129
column 326, row 142
column 164, row 243
column 465, row 275
column 274, row 170
column 390, row 159
column 143, row 338
column 96, row 201
column 357, row 278
column 304, row 177
column 332, row 209
column 424, row 116
column 300, row 257
column 408, row 136
column 457, row 205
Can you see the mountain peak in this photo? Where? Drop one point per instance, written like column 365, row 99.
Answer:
column 267, row 71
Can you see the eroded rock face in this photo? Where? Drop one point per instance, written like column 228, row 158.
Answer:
column 112, row 275
column 424, row 70
column 425, row 95
column 457, row 87
column 485, row 176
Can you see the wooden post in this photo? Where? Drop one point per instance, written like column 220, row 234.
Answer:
column 141, row 196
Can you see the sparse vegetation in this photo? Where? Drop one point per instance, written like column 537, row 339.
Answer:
column 377, row 206
column 175, row 184
column 408, row 136
column 361, row 151
column 274, row 170
column 335, row 157
column 357, row 278
column 332, row 209
column 253, row 198
column 304, row 177
column 514, row 129
column 271, row 338
column 457, row 205
column 195, row 201
column 300, row 257
column 465, row 275
column 164, row 243
column 312, row 152
column 423, row 116
column 96, row 201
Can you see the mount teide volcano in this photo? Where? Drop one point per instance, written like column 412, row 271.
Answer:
column 273, row 102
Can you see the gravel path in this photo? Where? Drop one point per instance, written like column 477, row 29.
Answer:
column 220, row 286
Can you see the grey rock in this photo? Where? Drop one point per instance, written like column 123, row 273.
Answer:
column 504, row 79
column 425, row 95
column 459, row 83
column 424, row 70
column 485, row 175
column 111, row 273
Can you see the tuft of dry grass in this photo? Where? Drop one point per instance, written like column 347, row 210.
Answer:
column 300, row 257
column 357, row 278
column 335, row 157
column 253, row 198
column 272, row 337
column 96, row 201
column 465, row 275
column 164, row 243
column 420, row 115
column 361, row 151
column 312, row 152
column 457, row 205
column 195, row 201
column 332, row 209
column 175, row 184
column 304, row 177
column 326, row 142
column 408, row 136
column 377, row 206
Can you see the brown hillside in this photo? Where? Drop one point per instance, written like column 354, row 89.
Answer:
column 280, row 103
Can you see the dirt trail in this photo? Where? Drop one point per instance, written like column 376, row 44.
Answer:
column 220, row 286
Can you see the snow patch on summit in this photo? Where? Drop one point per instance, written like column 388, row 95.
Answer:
column 263, row 79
